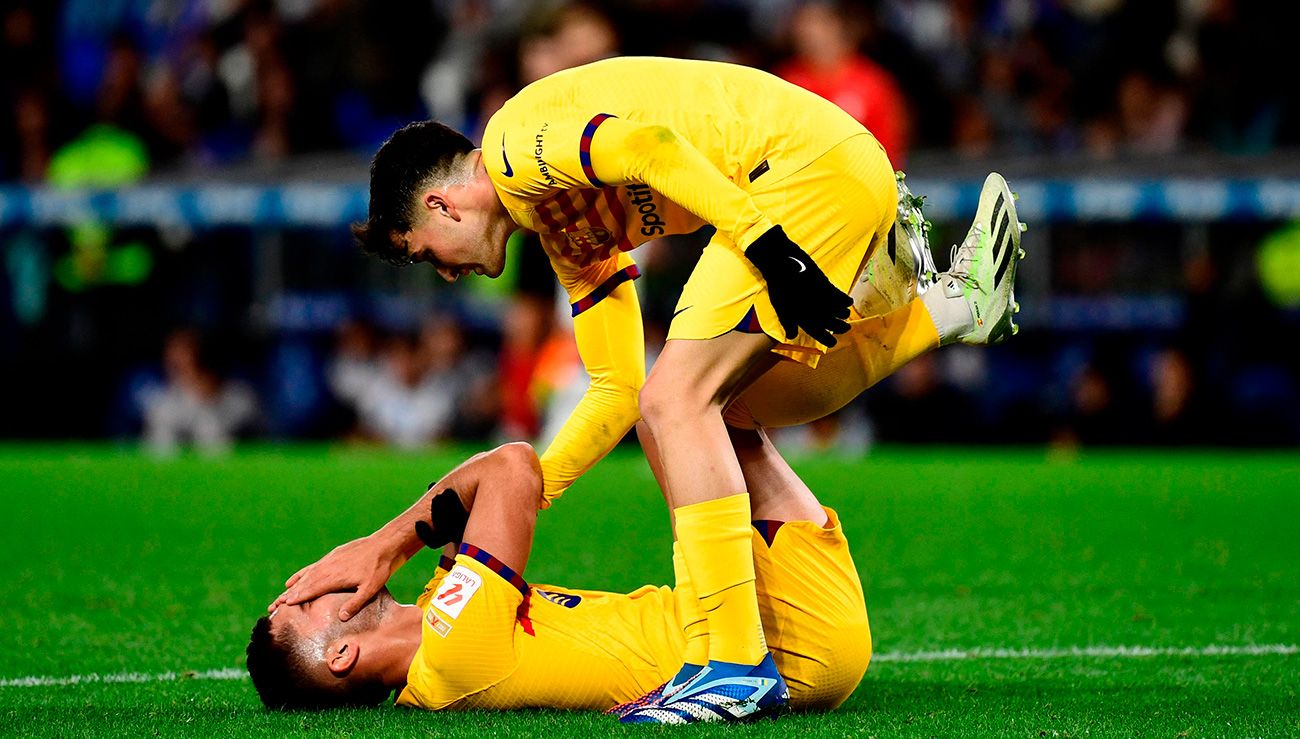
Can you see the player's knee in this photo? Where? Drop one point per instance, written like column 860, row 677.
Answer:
column 654, row 403
column 664, row 402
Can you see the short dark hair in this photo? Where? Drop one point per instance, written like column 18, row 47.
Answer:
column 414, row 156
column 284, row 682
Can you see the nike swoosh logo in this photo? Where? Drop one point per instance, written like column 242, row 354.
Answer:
column 802, row 267
column 678, row 312
column 509, row 171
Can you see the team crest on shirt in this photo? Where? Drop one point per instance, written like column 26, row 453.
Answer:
column 590, row 238
column 568, row 600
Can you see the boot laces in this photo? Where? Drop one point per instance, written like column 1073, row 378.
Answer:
column 960, row 257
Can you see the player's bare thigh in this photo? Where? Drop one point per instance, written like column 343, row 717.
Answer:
column 682, row 402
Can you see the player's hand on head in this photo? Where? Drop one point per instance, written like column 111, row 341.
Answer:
column 363, row 565
column 801, row 294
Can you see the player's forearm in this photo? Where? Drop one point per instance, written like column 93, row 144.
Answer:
column 603, row 417
column 398, row 535
column 611, row 343
column 658, row 157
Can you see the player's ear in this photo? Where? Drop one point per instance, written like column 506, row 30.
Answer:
column 341, row 655
column 438, row 203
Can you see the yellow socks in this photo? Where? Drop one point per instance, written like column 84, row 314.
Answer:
column 885, row 343
column 695, row 625
column 715, row 541
column 873, row 349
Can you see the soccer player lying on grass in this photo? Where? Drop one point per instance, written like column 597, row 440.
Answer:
column 480, row 637
column 605, row 157
column 891, row 294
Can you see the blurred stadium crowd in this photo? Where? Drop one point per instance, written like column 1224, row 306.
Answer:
column 210, row 81
column 206, row 336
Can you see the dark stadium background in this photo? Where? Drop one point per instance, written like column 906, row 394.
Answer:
column 176, row 180
column 225, row 146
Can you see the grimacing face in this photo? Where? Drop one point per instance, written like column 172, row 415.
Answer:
column 321, row 615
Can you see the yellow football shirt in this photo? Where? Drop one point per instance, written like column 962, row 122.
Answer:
column 601, row 158
column 488, row 641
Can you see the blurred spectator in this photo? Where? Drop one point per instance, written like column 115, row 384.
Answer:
column 195, row 406
column 575, row 33
column 1090, row 416
column 1109, row 402
column 28, row 89
column 540, row 374
column 470, row 376
column 422, row 390
column 526, row 327
column 355, row 365
column 1152, row 114
column 406, row 406
column 201, row 80
column 451, row 77
column 911, row 405
column 104, row 94
column 1226, row 44
column 1179, row 413
column 826, row 61
column 559, row 380
column 847, row 432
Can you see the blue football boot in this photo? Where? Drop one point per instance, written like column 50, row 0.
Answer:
column 656, row 696
column 722, row 691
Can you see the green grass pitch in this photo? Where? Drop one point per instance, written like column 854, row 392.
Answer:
column 118, row 564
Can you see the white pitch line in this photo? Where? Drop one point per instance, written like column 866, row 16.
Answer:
column 945, row 655
column 40, row 681
column 957, row 655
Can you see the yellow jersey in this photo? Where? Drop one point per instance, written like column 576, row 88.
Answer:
column 602, row 158
column 506, row 647
column 489, row 641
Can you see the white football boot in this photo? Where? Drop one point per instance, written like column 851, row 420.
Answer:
column 902, row 268
column 983, row 271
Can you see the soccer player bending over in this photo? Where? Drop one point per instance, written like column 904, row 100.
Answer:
column 481, row 637
column 602, row 158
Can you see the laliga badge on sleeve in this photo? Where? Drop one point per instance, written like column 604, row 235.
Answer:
column 455, row 591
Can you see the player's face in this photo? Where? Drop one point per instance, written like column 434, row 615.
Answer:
column 321, row 614
column 311, row 617
column 474, row 244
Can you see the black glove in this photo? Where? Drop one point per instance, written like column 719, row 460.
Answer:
column 449, row 517
column 801, row 295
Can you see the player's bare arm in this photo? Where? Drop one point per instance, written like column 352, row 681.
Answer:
column 366, row 564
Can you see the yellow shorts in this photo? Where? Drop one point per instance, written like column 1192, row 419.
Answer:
column 814, row 615
column 836, row 208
